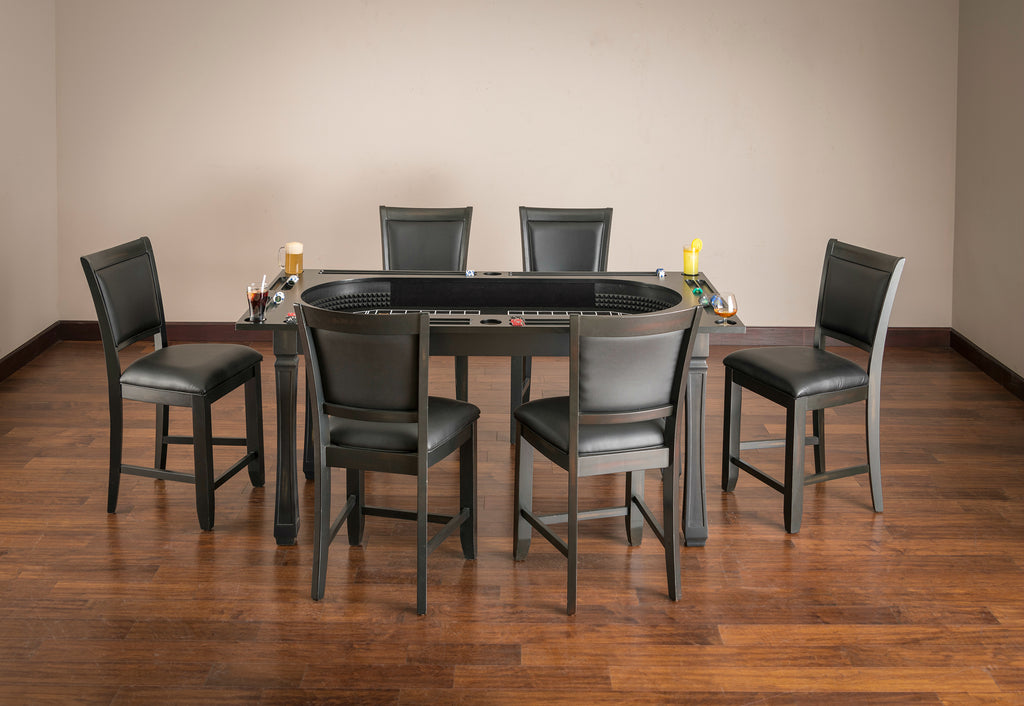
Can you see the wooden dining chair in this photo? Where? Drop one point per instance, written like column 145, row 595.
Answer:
column 129, row 308
column 372, row 413
column 624, row 414
column 855, row 300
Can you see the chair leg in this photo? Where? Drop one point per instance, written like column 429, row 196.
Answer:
column 818, row 429
column 355, row 485
column 116, row 439
column 796, row 436
column 202, row 442
column 321, row 526
column 573, row 540
column 873, row 414
column 634, row 519
column 731, row 432
column 467, row 495
column 421, row 538
column 254, row 429
column 162, row 428
column 519, row 390
column 673, row 516
column 522, row 532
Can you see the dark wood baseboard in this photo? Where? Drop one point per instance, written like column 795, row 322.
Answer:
column 26, row 353
column 202, row 332
column 192, row 331
column 78, row 331
column 89, row 331
column 987, row 364
column 919, row 337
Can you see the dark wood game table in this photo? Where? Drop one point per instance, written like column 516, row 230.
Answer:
column 474, row 315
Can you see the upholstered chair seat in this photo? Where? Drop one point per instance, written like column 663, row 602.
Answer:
column 447, row 418
column 196, row 368
column 549, row 419
column 798, row 371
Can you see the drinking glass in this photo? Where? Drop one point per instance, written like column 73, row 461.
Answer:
column 258, row 296
column 724, row 304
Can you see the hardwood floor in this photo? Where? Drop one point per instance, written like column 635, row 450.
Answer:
column 920, row 604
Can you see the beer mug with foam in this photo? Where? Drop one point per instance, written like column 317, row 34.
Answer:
column 289, row 256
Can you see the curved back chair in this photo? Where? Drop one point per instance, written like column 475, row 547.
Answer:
column 435, row 239
column 557, row 240
column 126, row 292
column 858, row 287
column 372, row 413
column 624, row 414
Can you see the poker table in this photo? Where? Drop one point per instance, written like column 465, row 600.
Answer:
column 510, row 314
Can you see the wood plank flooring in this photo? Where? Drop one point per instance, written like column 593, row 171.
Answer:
column 920, row 604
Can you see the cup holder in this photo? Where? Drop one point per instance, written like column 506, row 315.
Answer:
column 490, row 322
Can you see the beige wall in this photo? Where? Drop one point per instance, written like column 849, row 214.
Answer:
column 222, row 129
column 988, row 308
column 28, row 169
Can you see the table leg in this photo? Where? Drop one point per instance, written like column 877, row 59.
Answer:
column 462, row 378
column 286, row 373
column 695, row 511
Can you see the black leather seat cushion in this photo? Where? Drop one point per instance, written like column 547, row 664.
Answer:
column 446, row 417
column 798, row 371
column 193, row 368
column 549, row 418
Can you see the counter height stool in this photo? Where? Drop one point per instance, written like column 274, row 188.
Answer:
column 624, row 414
column 126, row 292
column 369, row 375
column 855, row 299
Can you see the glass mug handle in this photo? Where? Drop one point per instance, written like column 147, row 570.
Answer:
column 280, row 257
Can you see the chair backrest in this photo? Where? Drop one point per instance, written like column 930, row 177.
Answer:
column 858, row 288
column 126, row 293
column 364, row 366
column 631, row 368
column 434, row 239
column 565, row 239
